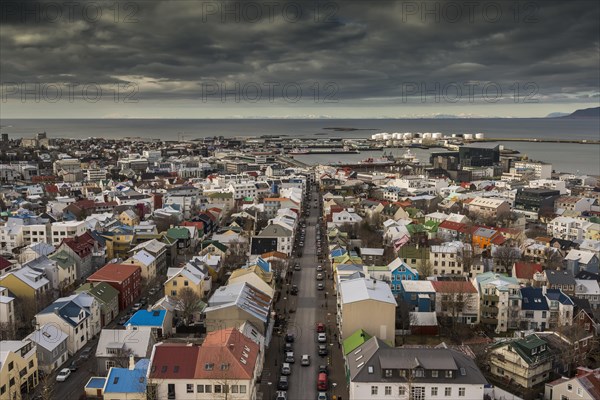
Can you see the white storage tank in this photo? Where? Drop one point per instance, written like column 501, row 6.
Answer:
column 468, row 136
column 479, row 136
column 387, row 136
column 397, row 135
column 436, row 135
column 407, row 135
column 426, row 135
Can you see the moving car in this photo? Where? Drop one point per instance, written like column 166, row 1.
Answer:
column 323, row 350
column 321, row 337
column 63, row 375
column 286, row 369
column 305, row 361
column 283, row 383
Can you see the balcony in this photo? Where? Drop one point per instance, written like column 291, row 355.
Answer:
column 491, row 297
column 489, row 321
column 489, row 309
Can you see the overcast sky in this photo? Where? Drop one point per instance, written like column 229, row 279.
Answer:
column 350, row 59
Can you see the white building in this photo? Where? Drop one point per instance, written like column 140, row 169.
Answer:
column 67, row 229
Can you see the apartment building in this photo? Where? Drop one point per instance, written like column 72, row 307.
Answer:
column 500, row 300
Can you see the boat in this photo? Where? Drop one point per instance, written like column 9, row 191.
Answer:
column 299, row 151
column 410, row 157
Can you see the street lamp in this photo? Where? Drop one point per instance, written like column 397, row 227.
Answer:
column 270, row 393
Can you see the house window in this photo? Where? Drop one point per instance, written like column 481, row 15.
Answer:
column 401, row 390
column 374, row 390
column 419, row 373
column 185, row 283
column 461, row 392
column 174, row 293
column 388, row 390
column 207, row 388
column 11, row 365
column 448, row 391
column 243, row 389
column 434, row 391
column 388, row 373
column 110, row 364
column 234, row 389
column 434, row 373
column 449, row 374
column 200, row 388
column 174, row 283
column 218, row 388
column 189, row 388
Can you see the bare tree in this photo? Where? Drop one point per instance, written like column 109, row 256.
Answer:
column 8, row 331
column 47, row 387
column 466, row 258
column 506, row 256
column 552, row 259
column 189, row 301
column 455, row 301
column 237, row 254
column 424, row 269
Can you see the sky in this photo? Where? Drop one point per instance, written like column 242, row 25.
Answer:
column 297, row 59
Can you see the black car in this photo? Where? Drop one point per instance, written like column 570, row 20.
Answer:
column 283, row 383
column 323, row 350
column 324, row 368
column 294, row 290
column 289, row 337
column 288, row 347
column 73, row 366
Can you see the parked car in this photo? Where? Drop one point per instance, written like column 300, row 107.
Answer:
column 321, row 337
column 123, row 320
column 63, row 375
column 143, row 301
column 324, row 368
column 319, row 268
column 294, row 290
column 136, row 307
column 85, row 353
column 289, row 337
column 297, row 267
column 323, row 350
column 320, row 286
column 289, row 357
column 305, row 361
column 152, row 291
column 286, row 368
column 281, row 395
column 283, row 383
column 322, row 381
column 320, row 327
column 288, row 347
column 73, row 366
column 319, row 276
column 322, row 396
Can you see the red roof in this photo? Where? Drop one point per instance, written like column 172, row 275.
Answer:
column 114, row 273
column 174, row 361
column 82, row 245
column 525, row 270
column 225, row 349
column 4, row 263
column 499, row 239
column 51, row 188
column 453, row 226
column 197, row 224
column 453, row 287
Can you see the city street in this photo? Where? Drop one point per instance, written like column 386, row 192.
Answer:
column 309, row 308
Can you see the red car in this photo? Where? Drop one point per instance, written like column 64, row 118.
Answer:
column 320, row 327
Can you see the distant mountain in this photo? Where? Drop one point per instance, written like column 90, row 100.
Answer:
column 557, row 114
column 585, row 113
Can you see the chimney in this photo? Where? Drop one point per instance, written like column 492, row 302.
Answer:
column 544, row 290
column 131, row 362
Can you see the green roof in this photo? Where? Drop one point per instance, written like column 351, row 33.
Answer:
column 595, row 220
column 63, row 259
column 355, row 340
column 100, row 290
column 413, row 252
column 178, row 233
column 431, row 226
column 215, row 243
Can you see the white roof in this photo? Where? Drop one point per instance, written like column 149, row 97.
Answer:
column 48, row 336
column 417, row 286
column 144, row 257
column 587, row 287
column 116, row 338
column 366, row 289
column 423, row 319
column 582, row 256
column 153, row 246
column 31, row 277
column 370, row 251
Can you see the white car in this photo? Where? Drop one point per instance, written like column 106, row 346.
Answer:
column 319, row 268
column 305, row 360
column 63, row 375
column 321, row 337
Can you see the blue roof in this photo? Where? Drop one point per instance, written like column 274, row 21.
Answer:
column 533, row 299
column 147, row 318
column 125, row 380
column 263, row 264
column 338, row 252
column 558, row 295
column 95, row 383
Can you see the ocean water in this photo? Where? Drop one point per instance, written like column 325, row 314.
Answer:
column 197, row 128
column 584, row 158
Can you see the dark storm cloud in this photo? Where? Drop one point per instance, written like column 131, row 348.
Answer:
column 174, row 49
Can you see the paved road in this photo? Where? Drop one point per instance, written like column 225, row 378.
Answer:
column 303, row 380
